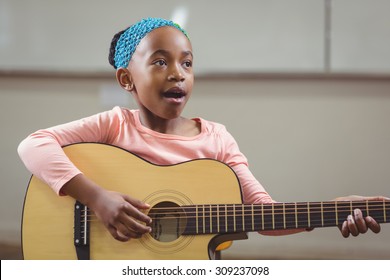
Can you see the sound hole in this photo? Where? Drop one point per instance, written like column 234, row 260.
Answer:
column 168, row 221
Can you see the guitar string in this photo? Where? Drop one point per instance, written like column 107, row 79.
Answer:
column 221, row 216
column 258, row 226
column 277, row 206
column 267, row 222
column 266, row 209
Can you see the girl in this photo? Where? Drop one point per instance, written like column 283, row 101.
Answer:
column 153, row 61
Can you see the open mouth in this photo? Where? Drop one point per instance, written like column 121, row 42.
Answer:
column 175, row 93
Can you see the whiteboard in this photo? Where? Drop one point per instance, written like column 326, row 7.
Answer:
column 227, row 36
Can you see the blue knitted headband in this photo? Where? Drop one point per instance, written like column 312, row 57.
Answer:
column 129, row 40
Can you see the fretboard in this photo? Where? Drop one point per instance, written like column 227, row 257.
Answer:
column 230, row 218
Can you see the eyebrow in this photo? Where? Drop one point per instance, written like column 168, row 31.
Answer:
column 166, row 53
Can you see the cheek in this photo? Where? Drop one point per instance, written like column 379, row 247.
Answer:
column 190, row 84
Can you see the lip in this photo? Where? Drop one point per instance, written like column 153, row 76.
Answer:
column 175, row 95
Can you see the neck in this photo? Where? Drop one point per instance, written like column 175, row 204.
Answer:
column 229, row 218
column 158, row 124
column 176, row 126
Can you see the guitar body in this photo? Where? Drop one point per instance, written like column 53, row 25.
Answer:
column 48, row 219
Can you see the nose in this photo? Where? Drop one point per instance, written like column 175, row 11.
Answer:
column 176, row 74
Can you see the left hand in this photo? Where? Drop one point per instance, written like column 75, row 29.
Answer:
column 356, row 223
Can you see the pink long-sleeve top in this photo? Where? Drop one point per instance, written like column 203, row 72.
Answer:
column 43, row 156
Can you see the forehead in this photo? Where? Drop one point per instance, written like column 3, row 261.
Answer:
column 167, row 38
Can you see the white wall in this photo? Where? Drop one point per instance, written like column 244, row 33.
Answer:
column 245, row 35
column 306, row 139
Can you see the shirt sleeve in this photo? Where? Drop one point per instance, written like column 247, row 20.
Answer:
column 42, row 152
column 253, row 192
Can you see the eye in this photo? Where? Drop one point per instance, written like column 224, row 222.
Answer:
column 160, row 62
column 188, row 63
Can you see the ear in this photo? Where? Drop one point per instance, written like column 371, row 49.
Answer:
column 124, row 78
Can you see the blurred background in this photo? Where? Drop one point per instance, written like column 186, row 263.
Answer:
column 303, row 85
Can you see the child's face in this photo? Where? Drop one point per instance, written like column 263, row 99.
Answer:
column 161, row 72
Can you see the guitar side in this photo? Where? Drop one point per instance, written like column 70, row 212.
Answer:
column 48, row 220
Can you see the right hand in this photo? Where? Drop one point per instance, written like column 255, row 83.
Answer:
column 122, row 215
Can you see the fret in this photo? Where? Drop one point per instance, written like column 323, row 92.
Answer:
column 278, row 216
column 267, row 216
column 203, row 220
column 290, row 215
column 226, row 218
column 273, row 216
column 351, row 207
column 218, row 229
column 336, row 213
column 243, row 217
column 322, row 214
column 384, row 212
column 362, row 205
column 214, row 217
column 367, row 208
column 211, row 219
column 258, row 217
column 316, row 214
column 230, row 218
column 234, row 217
column 206, row 219
column 308, row 215
column 197, row 221
column 247, row 217
column 238, row 215
column 222, row 220
column 284, row 216
column 329, row 215
column 344, row 209
column 262, row 216
column 296, row 215
column 376, row 211
column 253, row 218
column 302, row 215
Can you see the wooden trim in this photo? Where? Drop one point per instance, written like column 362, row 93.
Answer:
column 203, row 75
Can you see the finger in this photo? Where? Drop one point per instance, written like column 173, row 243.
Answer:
column 127, row 232
column 360, row 221
column 344, row 229
column 131, row 224
column 372, row 224
column 136, row 214
column 117, row 235
column 352, row 226
column 135, row 226
column 136, row 202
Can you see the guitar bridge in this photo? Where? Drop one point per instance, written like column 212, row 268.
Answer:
column 81, row 231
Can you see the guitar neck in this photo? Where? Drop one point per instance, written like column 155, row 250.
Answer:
column 230, row 218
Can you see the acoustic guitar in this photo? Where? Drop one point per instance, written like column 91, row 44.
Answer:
column 195, row 207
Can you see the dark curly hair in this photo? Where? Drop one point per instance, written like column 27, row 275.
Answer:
column 111, row 54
